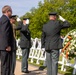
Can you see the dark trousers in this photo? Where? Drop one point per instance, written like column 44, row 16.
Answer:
column 52, row 57
column 5, row 62
column 25, row 55
column 13, row 62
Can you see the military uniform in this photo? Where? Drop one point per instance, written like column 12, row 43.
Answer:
column 25, row 44
column 14, row 45
column 14, row 53
column 52, row 42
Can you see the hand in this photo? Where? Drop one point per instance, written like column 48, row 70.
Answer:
column 18, row 19
column 61, row 18
column 8, row 48
column 27, row 21
column 43, row 49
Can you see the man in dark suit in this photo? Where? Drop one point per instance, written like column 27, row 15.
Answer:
column 25, row 43
column 6, row 40
column 52, row 42
column 13, row 21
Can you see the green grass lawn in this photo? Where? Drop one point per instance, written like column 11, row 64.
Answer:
column 68, row 71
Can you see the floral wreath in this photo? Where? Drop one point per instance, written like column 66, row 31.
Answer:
column 69, row 45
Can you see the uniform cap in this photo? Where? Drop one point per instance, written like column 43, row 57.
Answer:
column 13, row 16
column 53, row 13
column 25, row 18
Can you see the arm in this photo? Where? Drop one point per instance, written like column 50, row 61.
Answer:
column 19, row 26
column 65, row 24
column 24, row 28
column 43, row 39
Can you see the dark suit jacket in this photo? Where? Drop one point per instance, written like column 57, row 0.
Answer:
column 6, row 33
column 25, row 37
column 51, row 34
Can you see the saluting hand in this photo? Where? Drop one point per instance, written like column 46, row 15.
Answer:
column 27, row 21
column 61, row 18
column 18, row 19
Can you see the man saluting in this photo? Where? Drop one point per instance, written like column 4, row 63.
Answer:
column 52, row 42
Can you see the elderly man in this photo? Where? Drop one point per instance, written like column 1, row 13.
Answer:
column 6, row 40
column 51, row 41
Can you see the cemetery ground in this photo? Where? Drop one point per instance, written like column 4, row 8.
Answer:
column 34, row 68
column 40, row 67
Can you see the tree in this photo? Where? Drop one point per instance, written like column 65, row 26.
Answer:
column 39, row 16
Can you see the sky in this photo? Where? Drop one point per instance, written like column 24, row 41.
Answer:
column 19, row 7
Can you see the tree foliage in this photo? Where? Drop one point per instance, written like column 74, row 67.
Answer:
column 39, row 16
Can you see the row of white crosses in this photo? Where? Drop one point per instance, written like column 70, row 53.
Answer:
column 35, row 51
